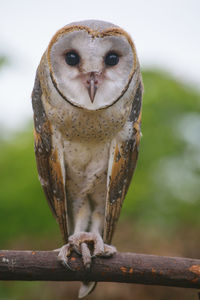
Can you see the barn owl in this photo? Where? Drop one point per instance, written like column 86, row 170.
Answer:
column 87, row 114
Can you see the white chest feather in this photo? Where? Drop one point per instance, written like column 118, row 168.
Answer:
column 86, row 164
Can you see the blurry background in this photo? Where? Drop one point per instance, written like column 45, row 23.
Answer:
column 161, row 211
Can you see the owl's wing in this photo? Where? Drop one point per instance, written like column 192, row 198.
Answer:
column 48, row 161
column 122, row 163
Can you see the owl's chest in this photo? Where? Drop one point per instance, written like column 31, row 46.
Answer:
column 77, row 124
column 92, row 126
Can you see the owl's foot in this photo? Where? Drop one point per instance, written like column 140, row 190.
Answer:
column 64, row 253
column 86, row 244
column 108, row 251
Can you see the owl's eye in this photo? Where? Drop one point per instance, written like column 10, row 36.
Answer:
column 72, row 58
column 111, row 59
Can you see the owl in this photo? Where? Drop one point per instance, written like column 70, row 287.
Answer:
column 87, row 114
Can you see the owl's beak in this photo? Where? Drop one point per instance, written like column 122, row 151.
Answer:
column 92, row 84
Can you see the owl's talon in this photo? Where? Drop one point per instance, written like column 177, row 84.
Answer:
column 86, row 244
column 86, row 255
column 109, row 250
column 98, row 246
column 65, row 264
column 63, row 255
column 75, row 248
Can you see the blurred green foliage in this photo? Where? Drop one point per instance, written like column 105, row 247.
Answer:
column 3, row 60
column 23, row 210
column 165, row 189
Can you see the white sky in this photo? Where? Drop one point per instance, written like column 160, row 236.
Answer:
column 166, row 34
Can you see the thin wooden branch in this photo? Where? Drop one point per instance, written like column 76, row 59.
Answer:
column 122, row 267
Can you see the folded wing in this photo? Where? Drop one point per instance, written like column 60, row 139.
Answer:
column 122, row 163
column 51, row 174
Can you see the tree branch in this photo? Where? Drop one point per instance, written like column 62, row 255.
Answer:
column 122, row 267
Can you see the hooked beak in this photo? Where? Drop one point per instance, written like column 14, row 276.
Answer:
column 92, row 85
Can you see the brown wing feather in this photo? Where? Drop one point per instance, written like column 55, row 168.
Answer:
column 48, row 164
column 124, row 161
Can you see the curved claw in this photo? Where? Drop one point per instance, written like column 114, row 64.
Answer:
column 65, row 264
column 65, row 251
column 75, row 248
column 83, row 243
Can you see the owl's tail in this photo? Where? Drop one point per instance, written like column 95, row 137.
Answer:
column 86, row 288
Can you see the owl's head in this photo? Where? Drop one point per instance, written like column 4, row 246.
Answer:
column 91, row 63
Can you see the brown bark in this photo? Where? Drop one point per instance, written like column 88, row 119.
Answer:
column 122, row 267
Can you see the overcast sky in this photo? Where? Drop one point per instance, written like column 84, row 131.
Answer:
column 166, row 34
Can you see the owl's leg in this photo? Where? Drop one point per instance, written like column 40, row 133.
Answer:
column 84, row 242
column 100, row 248
column 87, row 244
column 97, row 221
column 81, row 217
column 90, row 243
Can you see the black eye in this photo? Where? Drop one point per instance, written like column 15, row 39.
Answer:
column 72, row 58
column 111, row 59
